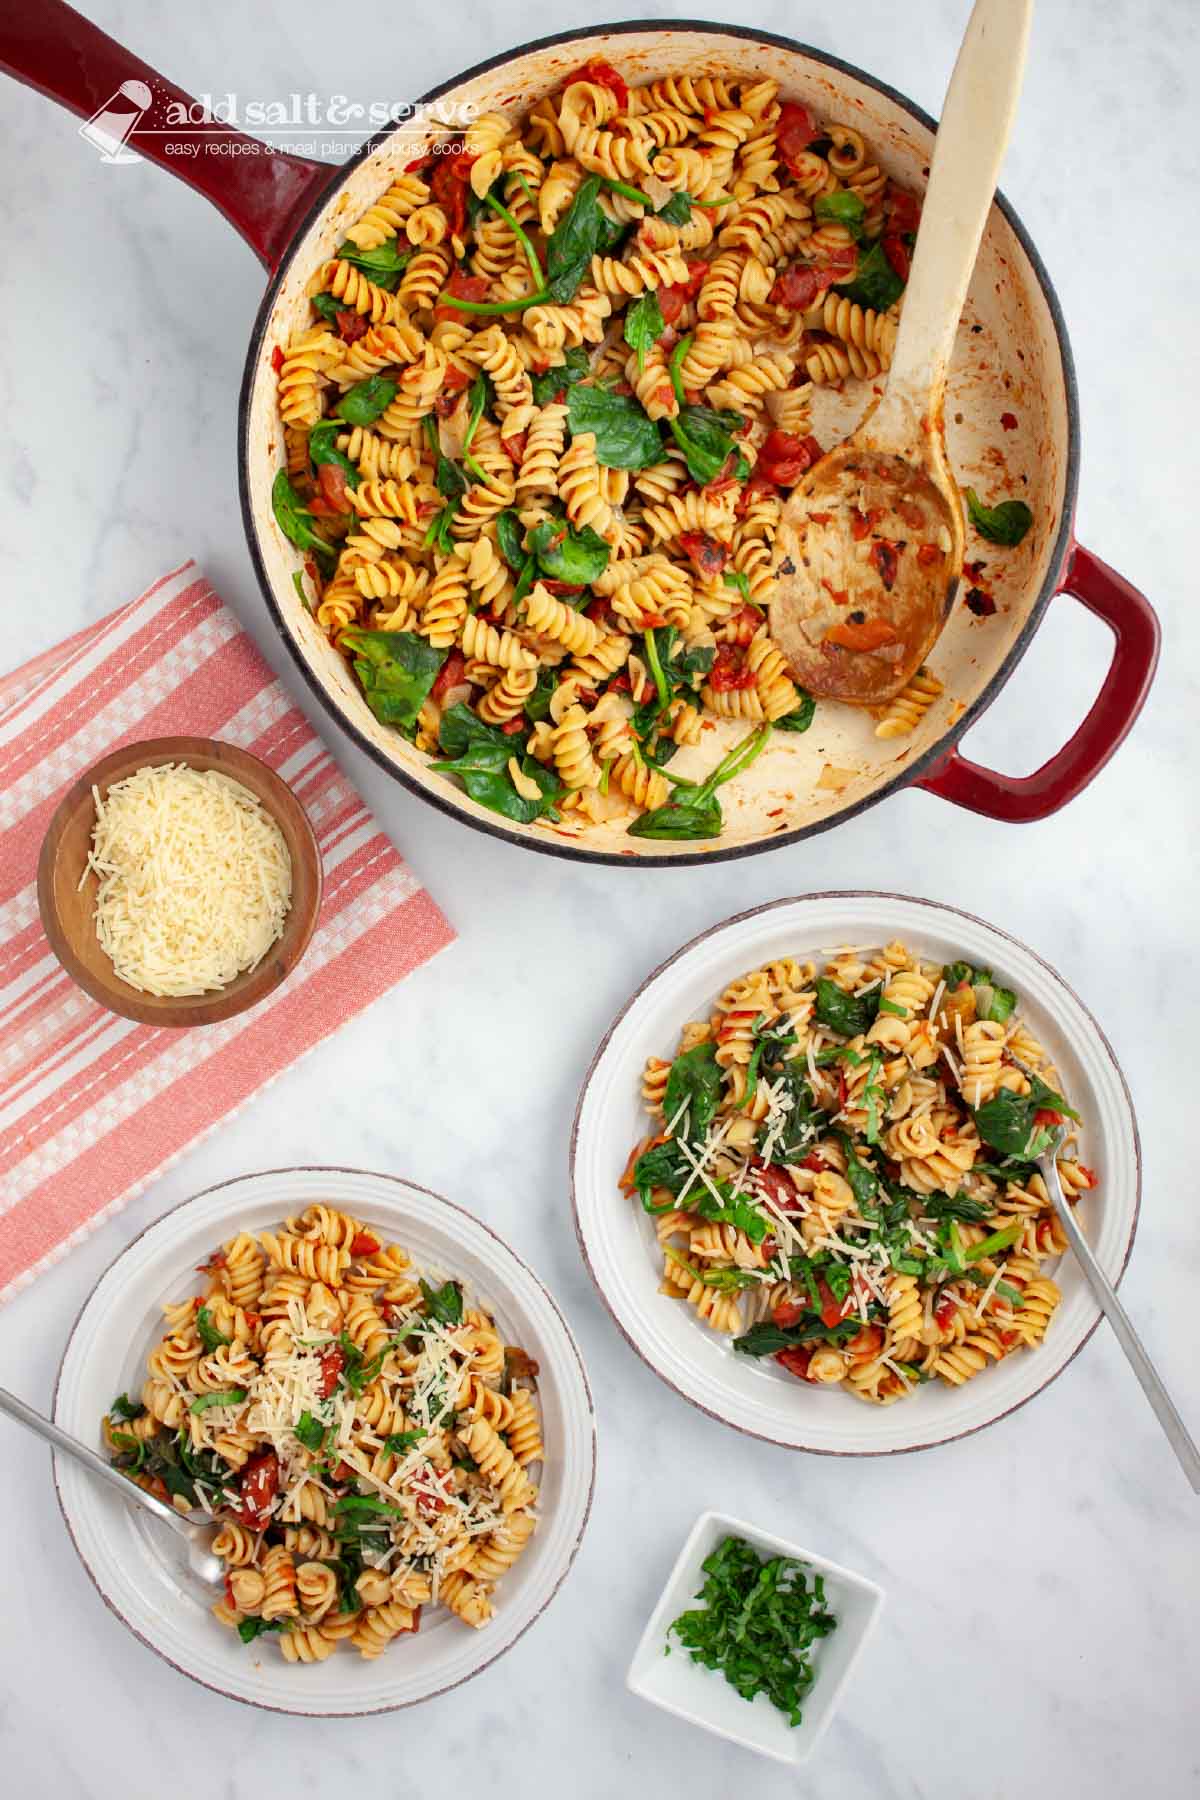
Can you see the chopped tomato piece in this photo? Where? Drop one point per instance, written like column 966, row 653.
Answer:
column 801, row 287
column 784, row 458
column 216, row 1261
column 512, row 727
column 794, row 132
column 886, row 557
column 1089, row 1173
column 514, row 447
column 832, row 1311
column 1047, row 1116
column 867, row 634
column 901, row 209
column 332, row 1361
column 897, row 253
column 865, row 1344
column 363, row 1244
column 448, row 187
column 561, row 587
column 928, row 554
column 729, row 671
column 462, row 287
column 418, row 163
column 1008, row 421
column 449, row 675
column 277, row 358
column 331, row 479
column 351, row 326
column 258, row 1487
column 944, row 1312
column 706, row 553
column 862, row 522
column 981, row 604
column 787, row 1314
column 759, row 487
column 601, row 74
column 795, row 1359
column 814, row 1160
column 776, row 1185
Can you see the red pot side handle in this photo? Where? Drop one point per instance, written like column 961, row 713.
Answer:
column 262, row 192
column 1019, row 799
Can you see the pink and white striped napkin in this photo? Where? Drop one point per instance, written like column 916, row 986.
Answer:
column 93, row 1107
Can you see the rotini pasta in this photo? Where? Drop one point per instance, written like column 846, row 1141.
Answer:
column 362, row 1437
column 841, row 1174
column 500, row 408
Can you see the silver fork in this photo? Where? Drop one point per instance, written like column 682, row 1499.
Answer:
column 200, row 1559
column 1178, row 1435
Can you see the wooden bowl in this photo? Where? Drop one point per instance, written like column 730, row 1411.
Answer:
column 68, row 909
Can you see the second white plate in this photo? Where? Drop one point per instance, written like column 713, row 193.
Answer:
column 617, row 1238
column 139, row 1576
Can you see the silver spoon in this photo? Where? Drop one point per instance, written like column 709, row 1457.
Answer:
column 200, row 1559
column 1178, row 1435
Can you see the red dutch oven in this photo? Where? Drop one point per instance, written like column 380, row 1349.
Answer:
column 1013, row 423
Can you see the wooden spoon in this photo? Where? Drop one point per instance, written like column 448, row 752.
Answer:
column 856, row 616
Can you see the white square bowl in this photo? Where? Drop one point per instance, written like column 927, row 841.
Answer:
column 704, row 1697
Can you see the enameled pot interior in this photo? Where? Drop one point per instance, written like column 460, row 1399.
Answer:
column 1008, row 418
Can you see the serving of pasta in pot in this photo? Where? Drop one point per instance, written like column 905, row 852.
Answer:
column 842, row 1173
column 361, row 1437
column 555, row 389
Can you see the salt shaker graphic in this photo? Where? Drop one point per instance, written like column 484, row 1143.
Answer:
column 110, row 125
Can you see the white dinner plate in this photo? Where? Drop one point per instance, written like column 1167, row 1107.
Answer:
column 138, row 1574
column 617, row 1237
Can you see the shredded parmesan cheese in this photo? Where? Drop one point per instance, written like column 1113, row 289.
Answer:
column 195, row 879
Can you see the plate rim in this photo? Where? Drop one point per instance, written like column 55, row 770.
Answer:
column 849, row 896
column 213, row 1687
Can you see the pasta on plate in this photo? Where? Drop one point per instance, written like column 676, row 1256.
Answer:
column 556, row 386
column 842, row 1173
column 362, row 1439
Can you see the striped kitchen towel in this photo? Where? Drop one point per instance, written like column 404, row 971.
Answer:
column 93, row 1107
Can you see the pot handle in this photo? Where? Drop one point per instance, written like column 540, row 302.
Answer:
column 261, row 191
column 1021, row 799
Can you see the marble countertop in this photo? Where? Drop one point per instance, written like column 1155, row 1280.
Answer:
column 1041, row 1633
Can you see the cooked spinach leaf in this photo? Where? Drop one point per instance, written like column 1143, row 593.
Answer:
column 847, row 1014
column 1006, row 523
column 397, row 669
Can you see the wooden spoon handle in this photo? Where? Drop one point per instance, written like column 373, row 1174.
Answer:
column 977, row 118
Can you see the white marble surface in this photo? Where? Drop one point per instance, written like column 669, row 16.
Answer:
column 1043, row 1578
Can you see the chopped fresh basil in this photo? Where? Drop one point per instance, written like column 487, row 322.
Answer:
column 226, row 1397
column 756, row 1624
column 210, row 1338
